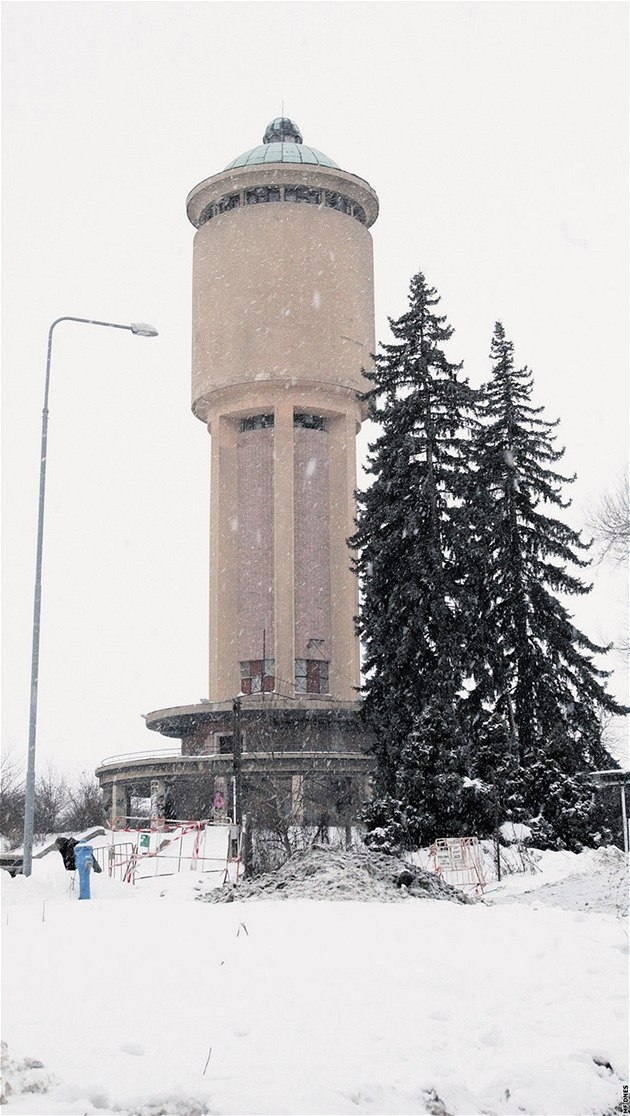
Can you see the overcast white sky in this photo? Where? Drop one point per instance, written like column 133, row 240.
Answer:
column 496, row 137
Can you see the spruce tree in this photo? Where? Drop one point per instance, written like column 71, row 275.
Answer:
column 533, row 669
column 411, row 542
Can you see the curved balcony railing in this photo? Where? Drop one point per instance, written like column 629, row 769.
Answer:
column 152, row 753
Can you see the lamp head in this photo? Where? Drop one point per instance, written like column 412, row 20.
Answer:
column 144, row 330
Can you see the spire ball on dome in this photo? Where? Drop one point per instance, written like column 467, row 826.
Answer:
column 282, row 130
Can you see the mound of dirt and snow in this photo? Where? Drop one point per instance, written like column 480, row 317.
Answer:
column 321, row 872
column 23, row 1076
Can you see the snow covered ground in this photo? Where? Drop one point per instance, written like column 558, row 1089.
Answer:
column 145, row 1002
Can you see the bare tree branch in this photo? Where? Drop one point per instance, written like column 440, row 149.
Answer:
column 11, row 798
column 610, row 523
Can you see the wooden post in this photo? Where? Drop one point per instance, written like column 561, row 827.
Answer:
column 497, row 847
column 624, row 817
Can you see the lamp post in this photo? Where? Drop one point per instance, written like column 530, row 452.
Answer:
column 240, row 819
column 237, row 760
column 142, row 330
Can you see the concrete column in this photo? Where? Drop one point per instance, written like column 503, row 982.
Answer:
column 158, row 801
column 344, row 666
column 297, row 798
column 225, row 679
column 220, row 787
column 284, row 580
column 120, row 807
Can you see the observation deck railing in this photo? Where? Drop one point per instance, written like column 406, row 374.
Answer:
column 151, row 753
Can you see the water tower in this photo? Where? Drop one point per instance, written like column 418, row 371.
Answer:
column 282, row 326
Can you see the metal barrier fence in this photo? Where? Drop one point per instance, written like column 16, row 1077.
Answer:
column 458, row 861
column 159, row 850
column 113, row 859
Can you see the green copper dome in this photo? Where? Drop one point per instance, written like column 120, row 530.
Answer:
column 282, row 143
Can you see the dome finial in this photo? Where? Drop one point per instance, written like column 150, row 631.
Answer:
column 282, row 130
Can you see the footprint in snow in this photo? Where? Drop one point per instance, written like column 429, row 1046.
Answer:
column 131, row 1048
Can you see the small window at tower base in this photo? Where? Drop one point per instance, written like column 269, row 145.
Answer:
column 258, row 677
column 311, row 676
column 225, row 745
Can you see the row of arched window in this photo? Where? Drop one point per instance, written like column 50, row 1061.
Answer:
column 261, row 194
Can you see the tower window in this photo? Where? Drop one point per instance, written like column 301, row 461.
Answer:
column 230, row 201
column 311, row 676
column 302, row 194
column 262, row 194
column 257, row 422
column 337, row 201
column 309, row 422
column 258, row 676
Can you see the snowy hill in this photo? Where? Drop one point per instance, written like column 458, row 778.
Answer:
column 146, row 1002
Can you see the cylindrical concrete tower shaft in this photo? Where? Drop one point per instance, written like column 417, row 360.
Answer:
column 283, row 323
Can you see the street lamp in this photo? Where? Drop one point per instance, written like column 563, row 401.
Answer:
column 237, row 760
column 240, row 819
column 142, row 330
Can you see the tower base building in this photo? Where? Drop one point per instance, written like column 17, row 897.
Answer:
column 306, row 766
column 283, row 326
